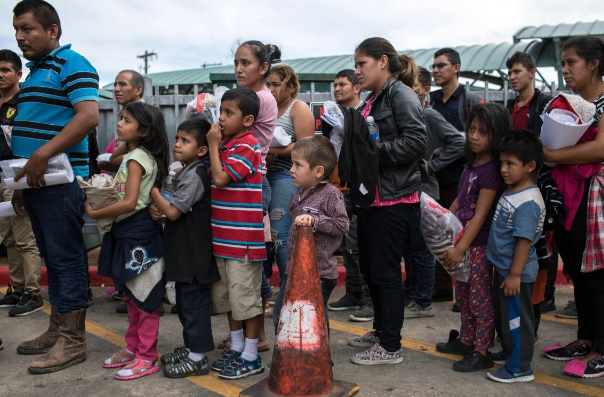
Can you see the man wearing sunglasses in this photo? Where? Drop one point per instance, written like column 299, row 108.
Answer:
column 454, row 102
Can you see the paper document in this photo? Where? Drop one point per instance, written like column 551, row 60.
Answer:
column 556, row 135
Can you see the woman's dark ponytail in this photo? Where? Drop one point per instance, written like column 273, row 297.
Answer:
column 403, row 67
column 265, row 53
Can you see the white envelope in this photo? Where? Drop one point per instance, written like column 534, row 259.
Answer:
column 6, row 210
column 555, row 135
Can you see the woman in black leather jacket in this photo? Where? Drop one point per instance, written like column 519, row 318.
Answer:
column 384, row 227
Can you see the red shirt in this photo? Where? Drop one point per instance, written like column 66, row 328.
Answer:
column 520, row 115
column 237, row 227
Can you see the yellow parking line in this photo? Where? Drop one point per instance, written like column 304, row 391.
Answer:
column 211, row 382
column 549, row 317
column 233, row 388
column 428, row 348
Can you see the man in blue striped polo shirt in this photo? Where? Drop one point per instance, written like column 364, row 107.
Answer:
column 57, row 108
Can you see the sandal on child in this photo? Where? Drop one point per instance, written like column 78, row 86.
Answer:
column 176, row 356
column 187, row 367
column 137, row 368
column 119, row 359
column 225, row 342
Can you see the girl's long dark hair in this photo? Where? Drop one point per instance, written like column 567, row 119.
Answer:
column 496, row 120
column 155, row 142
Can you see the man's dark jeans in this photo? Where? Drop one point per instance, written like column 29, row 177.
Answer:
column 382, row 231
column 419, row 264
column 350, row 255
column 56, row 214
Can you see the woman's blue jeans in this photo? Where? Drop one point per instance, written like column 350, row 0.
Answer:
column 282, row 189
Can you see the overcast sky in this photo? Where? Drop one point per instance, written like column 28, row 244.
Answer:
column 187, row 33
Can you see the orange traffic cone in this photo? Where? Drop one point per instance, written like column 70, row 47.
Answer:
column 301, row 363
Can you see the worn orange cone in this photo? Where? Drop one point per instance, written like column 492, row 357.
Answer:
column 301, row 363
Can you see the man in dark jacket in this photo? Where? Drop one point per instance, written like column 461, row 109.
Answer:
column 454, row 102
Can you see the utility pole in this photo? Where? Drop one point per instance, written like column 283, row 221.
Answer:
column 147, row 57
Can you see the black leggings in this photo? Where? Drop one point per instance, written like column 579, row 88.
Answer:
column 589, row 287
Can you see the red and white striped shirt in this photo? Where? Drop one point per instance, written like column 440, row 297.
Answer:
column 237, row 227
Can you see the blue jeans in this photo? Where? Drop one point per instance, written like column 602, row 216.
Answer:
column 419, row 264
column 327, row 286
column 56, row 214
column 282, row 189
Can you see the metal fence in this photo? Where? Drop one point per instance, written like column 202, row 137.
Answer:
column 174, row 106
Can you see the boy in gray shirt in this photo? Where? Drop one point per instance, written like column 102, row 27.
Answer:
column 188, row 250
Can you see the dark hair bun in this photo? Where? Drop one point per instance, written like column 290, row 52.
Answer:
column 274, row 53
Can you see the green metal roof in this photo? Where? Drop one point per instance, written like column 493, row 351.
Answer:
column 473, row 58
column 595, row 28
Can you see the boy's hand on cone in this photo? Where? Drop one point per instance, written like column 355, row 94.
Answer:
column 304, row 220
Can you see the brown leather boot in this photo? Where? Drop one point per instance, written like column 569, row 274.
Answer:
column 44, row 342
column 70, row 349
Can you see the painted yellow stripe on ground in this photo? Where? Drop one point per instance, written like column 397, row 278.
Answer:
column 210, row 382
column 431, row 349
column 549, row 317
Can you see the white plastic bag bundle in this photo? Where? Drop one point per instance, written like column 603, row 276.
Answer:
column 202, row 106
column 101, row 191
column 334, row 117
column 59, row 171
column 442, row 230
column 280, row 138
column 218, row 93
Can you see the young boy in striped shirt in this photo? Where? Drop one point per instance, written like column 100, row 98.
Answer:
column 237, row 229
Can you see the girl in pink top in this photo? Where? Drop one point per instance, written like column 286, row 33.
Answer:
column 253, row 62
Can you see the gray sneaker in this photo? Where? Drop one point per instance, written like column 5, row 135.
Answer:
column 367, row 340
column 376, row 355
column 27, row 305
column 413, row 310
column 348, row 302
column 570, row 311
column 363, row 313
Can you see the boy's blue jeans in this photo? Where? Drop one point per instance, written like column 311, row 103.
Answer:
column 56, row 214
column 419, row 264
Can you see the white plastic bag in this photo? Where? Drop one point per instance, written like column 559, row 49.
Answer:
column 334, row 117
column 442, row 230
column 171, row 292
column 280, row 138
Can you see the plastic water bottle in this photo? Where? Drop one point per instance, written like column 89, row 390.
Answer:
column 374, row 131
column 167, row 191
